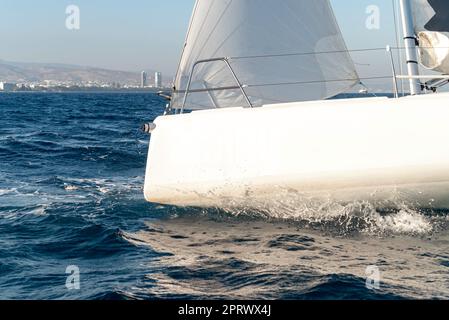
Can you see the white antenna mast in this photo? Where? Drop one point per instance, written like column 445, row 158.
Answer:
column 410, row 46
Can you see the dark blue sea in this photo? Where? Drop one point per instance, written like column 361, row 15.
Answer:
column 71, row 196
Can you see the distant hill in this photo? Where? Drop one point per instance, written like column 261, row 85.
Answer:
column 36, row 72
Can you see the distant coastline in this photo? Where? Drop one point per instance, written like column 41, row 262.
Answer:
column 87, row 90
column 51, row 77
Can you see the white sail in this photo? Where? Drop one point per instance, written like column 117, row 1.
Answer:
column 431, row 18
column 280, row 51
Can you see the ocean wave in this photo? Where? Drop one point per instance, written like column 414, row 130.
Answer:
column 250, row 258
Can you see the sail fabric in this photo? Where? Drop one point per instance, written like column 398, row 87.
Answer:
column 280, row 51
column 431, row 19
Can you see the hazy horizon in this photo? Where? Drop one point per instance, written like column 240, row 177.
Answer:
column 74, row 65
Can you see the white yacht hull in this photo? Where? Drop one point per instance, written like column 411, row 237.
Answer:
column 380, row 150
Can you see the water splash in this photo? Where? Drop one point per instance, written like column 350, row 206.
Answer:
column 344, row 218
column 406, row 221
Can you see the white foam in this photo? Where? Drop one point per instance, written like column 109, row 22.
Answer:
column 405, row 220
column 39, row 211
column 103, row 186
column 103, row 190
column 70, row 188
column 7, row 191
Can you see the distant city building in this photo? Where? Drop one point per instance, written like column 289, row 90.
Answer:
column 4, row 86
column 158, row 80
column 143, row 80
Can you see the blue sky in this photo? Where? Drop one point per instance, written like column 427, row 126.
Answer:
column 142, row 34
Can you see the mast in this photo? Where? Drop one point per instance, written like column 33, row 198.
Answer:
column 410, row 46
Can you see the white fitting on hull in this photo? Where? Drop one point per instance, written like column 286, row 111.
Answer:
column 380, row 150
